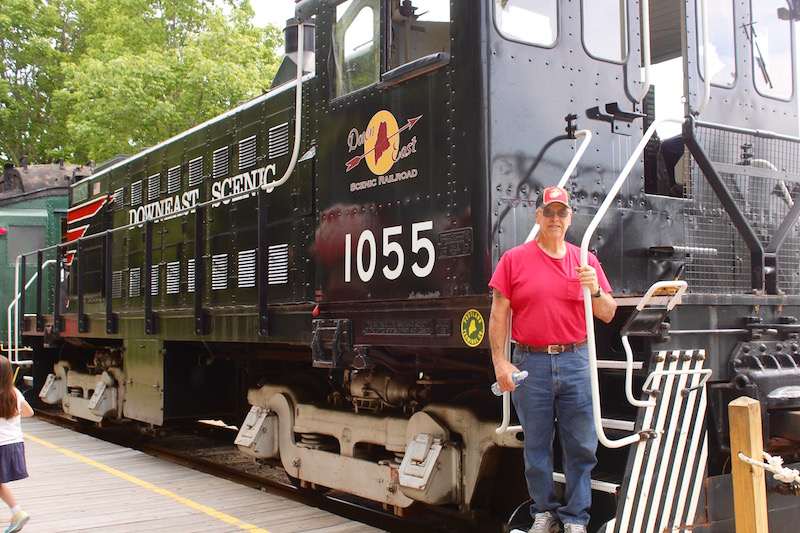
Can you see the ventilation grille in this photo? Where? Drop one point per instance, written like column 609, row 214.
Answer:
column 153, row 187
column 116, row 284
column 134, row 283
column 247, row 268
column 196, row 171
column 219, row 272
column 153, row 280
column 247, row 153
column 173, row 277
column 136, row 193
column 279, row 140
column 190, row 276
column 174, row 180
column 220, row 163
column 119, row 199
column 278, row 264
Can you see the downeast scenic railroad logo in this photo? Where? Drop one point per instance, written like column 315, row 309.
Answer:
column 382, row 143
column 472, row 328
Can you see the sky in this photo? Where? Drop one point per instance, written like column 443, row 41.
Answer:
column 272, row 11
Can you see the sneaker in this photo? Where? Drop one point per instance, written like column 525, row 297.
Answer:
column 574, row 528
column 545, row 523
column 18, row 521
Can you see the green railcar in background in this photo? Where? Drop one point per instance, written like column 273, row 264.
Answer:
column 33, row 210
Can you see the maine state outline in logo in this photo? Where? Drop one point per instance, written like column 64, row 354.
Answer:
column 472, row 328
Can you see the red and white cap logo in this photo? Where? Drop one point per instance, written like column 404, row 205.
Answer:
column 554, row 194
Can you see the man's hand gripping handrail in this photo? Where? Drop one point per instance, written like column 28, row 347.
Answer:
column 587, row 297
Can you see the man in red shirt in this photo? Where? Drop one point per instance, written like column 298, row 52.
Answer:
column 542, row 283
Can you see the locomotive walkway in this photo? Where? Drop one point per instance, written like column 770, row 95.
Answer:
column 80, row 483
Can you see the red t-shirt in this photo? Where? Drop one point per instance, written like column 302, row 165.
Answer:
column 546, row 297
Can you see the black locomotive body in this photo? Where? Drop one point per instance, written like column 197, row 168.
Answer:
column 317, row 273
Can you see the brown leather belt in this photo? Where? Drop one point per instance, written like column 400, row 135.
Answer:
column 552, row 349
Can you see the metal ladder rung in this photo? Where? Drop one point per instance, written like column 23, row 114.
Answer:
column 610, row 364
column 622, row 425
column 600, row 486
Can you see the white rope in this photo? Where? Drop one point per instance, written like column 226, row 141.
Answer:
column 774, row 465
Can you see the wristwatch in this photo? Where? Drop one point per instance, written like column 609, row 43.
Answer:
column 599, row 292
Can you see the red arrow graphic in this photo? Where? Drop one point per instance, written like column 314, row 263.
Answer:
column 353, row 163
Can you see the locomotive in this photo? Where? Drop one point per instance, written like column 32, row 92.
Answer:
column 312, row 266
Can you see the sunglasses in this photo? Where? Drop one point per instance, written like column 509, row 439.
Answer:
column 550, row 213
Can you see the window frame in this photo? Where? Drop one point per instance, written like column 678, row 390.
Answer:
column 624, row 32
column 517, row 39
column 792, row 63
column 698, row 44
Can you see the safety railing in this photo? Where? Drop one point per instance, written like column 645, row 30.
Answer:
column 679, row 287
column 13, row 325
column 587, row 297
column 706, row 60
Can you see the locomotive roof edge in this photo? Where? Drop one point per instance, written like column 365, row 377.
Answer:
column 231, row 112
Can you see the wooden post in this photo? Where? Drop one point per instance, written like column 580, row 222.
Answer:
column 749, row 487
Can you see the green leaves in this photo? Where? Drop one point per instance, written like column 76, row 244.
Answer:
column 90, row 79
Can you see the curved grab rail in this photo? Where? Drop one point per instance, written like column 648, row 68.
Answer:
column 587, row 297
column 13, row 356
column 787, row 196
column 645, row 5
column 298, row 102
column 504, row 427
column 681, row 287
column 707, row 77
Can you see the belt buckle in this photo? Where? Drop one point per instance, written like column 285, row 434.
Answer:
column 554, row 349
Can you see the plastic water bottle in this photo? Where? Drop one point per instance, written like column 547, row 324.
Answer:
column 517, row 377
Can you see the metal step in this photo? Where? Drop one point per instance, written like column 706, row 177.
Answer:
column 598, row 485
column 622, row 425
column 609, row 364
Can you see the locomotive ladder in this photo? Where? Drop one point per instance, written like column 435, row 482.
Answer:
column 665, row 471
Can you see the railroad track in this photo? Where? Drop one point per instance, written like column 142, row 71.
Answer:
column 208, row 448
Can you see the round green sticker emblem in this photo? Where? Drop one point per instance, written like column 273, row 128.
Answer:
column 472, row 328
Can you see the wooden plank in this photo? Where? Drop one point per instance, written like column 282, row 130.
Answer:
column 749, row 486
column 64, row 494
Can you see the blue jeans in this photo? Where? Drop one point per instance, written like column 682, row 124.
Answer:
column 557, row 386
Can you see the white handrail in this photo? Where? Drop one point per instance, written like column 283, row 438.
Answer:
column 707, row 77
column 681, row 288
column 298, row 105
column 504, row 427
column 645, row 4
column 13, row 356
column 705, row 372
column 587, row 297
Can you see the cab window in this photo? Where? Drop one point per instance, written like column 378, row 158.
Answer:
column 356, row 45
column 771, row 46
column 721, row 42
column 605, row 29
column 419, row 28
column 528, row 21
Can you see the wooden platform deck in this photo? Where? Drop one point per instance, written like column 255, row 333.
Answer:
column 80, row 483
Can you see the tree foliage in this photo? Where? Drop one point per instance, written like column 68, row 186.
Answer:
column 90, row 79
